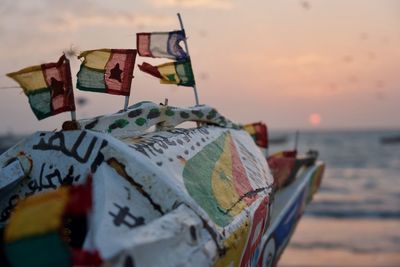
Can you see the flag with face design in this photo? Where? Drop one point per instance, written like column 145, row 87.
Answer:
column 161, row 45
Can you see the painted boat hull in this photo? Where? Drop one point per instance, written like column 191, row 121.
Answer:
column 194, row 197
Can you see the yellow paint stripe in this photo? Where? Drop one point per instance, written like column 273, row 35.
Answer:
column 168, row 69
column 30, row 79
column 37, row 215
column 250, row 129
column 222, row 182
column 96, row 59
column 234, row 245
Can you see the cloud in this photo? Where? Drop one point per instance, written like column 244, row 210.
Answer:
column 212, row 4
column 72, row 22
column 300, row 60
column 49, row 16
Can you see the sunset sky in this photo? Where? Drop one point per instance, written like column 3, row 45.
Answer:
column 316, row 64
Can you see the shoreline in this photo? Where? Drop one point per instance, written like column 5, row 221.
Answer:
column 332, row 242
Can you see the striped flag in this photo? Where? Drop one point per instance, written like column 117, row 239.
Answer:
column 48, row 87
column 161, row 45
column 179, row 73
column 107, row 71
column 47, row 229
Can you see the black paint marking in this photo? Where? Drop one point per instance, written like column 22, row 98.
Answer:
column 115, row 73
column 124, row 217
column 129, row 262
column 184, row 115
column 12, row 202
column 57, row 143
column 120, row 168
column 249, row 194
column 135, row 113
column 158, row 144
column 92, row 124
column 99, row 158
column 154, row 113
column 193, row 234
column 51, row 180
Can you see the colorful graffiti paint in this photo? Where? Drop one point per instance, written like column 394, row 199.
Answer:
column 216, row 178
column 281, row 229
column 199, row 196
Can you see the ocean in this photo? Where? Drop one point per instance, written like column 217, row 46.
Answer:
column 354, row 219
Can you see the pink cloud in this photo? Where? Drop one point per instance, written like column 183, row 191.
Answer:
column 212, row 4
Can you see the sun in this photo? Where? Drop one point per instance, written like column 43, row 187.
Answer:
column 314, row 119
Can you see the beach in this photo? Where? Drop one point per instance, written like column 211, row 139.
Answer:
column 344, row 242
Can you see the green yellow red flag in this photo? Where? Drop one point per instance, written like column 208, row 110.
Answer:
column 48, row 87
column 179, row 73
column 107, row 71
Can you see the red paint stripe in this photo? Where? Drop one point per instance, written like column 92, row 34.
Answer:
column 241, row 181
column 150, row 69
column 61, row 71
column 126, row 60
column 143, row 44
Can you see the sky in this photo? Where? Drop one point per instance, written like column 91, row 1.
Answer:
column 293, row 64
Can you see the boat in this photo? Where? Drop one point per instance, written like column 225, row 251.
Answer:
column 8, row 140
column 390, row 140
column 134, row 188
column 278, row 140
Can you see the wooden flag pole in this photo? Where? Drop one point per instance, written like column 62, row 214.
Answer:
column 296, row 140
column 73, row 115
column 126, row 102
column 187, row 51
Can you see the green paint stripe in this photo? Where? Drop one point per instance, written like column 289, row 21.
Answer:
column 185, row 73
column 39, row 251
column 197, row 176
column 37, row 91
column 91, row 80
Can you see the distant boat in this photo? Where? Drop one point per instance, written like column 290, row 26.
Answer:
column 278, row 140
column 8, row 140
column 387, row 140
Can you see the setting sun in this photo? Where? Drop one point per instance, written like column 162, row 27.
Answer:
column 314, row 119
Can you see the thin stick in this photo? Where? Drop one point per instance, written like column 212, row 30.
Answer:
column 296, row 140
column 187, row 51
column 73, row 115
column 126, row 102
column 9, row 87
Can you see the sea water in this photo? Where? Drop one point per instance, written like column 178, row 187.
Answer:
column 354, row 219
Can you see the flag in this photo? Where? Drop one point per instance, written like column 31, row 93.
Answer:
column 161, row 45
column 48, row 87
column 179, row 73
column 107, row 71
column 284, row 166
column 48, row 229
column 258, row 131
